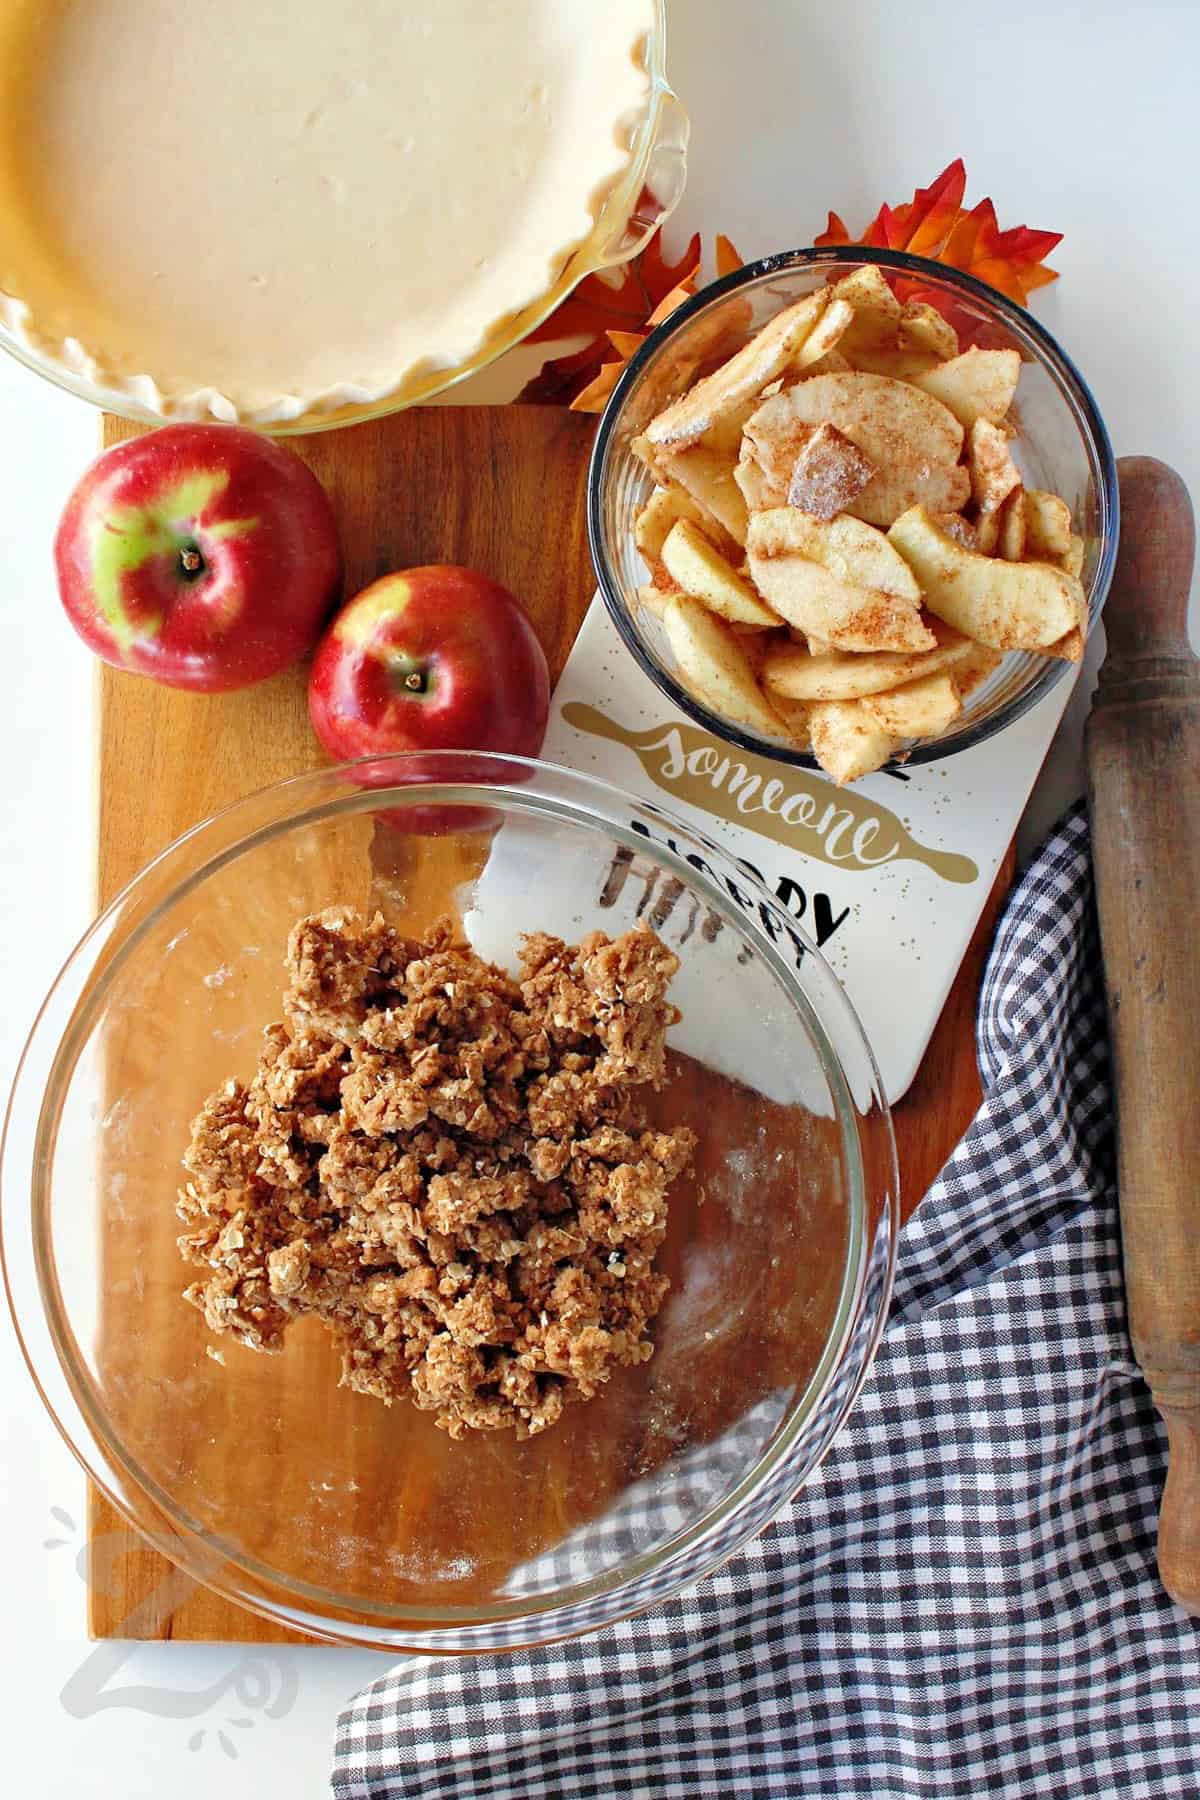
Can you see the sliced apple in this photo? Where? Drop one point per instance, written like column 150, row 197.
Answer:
column 829, row 472
column 973, row 669
column 848, row 618
column 889, row 359
column 919, row 709
column 956, row 527
column 1070, row 647
column 1006, row 605
column 993, row 472
column 707, row 475
column 923, row 327
column 875, row 412
column 663, row 509
column 808, row 570
column 746, row 373
column 702, row 572
column 714, row 665
column 726, row 434
column 1047, row 524
column 825, row 335
column 837, row 675
column 854, row 552
column 979, row 384
column 847, row 742
column 757, row 490
column 832, row 363
column 942, row 487
column 655, row 598
column 659, row 465
column 795, row 721
column 1011, row 542
column 912, row 439
column 876, row 311
column 866, row 290
column 987, row 533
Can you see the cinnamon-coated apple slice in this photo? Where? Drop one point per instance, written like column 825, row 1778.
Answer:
column 979, row 384
column 877, row 313
column 794, row 718
column 923, row 327
column 714, row 665
column 856, row 553
column 888, row 359
column 993, row 472
column 847, row 742
column 1006, row 605
column 701, row 571
column 706, row 474
column 972, row 670
column 758, row 490
column 911, row 438
column 1070, row 647
column 797, row 674
column 829, row 474
column 663, row 509
column 825, row 579
column 919, row 709
column 1011, row 542
column 1047, row 525
column 746, row 373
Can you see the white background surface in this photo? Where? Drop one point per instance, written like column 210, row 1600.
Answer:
column 1077, row 117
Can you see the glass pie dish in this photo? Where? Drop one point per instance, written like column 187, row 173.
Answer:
column 1061, row 445
column 191, row 333
column 324, row 1510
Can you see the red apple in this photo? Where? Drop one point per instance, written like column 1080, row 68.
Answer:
column 431, row 659
column 203, row 555
column 438, row 658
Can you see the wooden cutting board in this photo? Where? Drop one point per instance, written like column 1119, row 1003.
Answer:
column 502, row 488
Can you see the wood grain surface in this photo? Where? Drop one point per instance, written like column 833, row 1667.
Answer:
column 503, row 489
column 1143, row 747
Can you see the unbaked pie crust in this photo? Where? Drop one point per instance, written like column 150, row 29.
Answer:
column 253, row 209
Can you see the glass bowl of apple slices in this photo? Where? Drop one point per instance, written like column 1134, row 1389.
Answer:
column 849, row 507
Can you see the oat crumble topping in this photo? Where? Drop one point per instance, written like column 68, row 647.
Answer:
column 450, row 1168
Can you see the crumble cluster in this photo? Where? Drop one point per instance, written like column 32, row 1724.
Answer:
column 450, row 1168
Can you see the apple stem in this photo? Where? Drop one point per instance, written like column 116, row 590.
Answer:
column 414, row 681
column 191, row 563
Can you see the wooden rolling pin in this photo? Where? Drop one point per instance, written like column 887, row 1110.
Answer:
column 1143, row 752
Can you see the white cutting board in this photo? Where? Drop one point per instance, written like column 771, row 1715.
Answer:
column 889, row 877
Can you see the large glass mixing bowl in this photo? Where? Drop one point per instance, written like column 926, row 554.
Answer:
column 323, row 1509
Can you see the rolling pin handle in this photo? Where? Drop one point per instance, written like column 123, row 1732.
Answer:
column 1179, row 1516
column 1143, row 748
column 1155, row 562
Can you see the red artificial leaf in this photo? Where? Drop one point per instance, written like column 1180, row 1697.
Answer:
column 934, row 224
column 726, row 254
column 620, row 311
column 621, row 299
column 560, row 379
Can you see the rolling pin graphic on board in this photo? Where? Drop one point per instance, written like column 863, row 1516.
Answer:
column 1143, row 750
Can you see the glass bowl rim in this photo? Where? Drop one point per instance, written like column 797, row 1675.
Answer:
column 1083, row 405
column 99, row 1449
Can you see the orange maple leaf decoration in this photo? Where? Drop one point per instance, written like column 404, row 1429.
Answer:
column 934, row 224
column 620, row 312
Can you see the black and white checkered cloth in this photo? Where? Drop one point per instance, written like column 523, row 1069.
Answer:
column 963, row 1600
